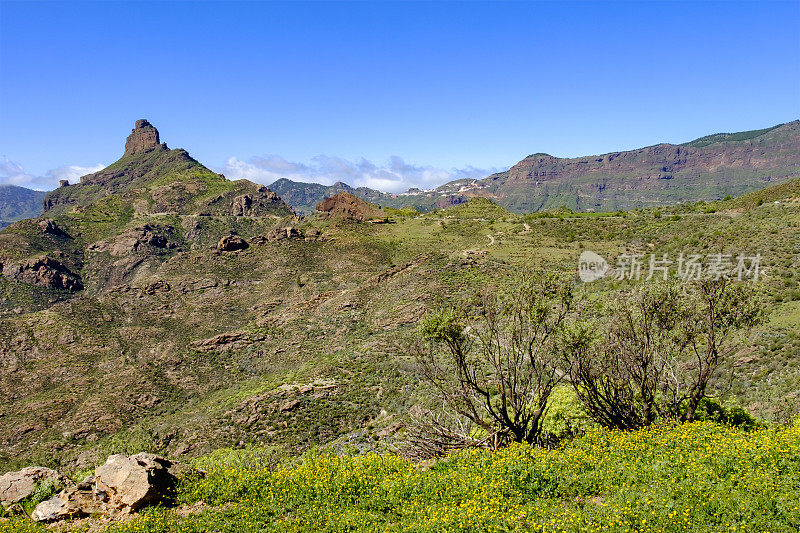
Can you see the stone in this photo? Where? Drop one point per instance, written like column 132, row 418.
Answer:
column 242, row 205
column 63, row 183
column 73, row 502
column 289, row 405
column 261, row 202
column 139, row 239
column 232, row 243
column 122, row 485
column 131, row 482
column 15, row 510
column 157, row 286
column 143, row 138
column 312, row 235
column 279, row 234
column 219, row 341
column 51, row 510
column 19, row 485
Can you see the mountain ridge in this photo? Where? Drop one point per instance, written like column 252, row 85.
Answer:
column 18, row 203
column 707, row 168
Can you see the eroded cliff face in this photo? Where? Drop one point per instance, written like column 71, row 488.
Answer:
column 705, row 169
column 662, row 161
column 143, row 138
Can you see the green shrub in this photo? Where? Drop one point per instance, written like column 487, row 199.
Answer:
column 712, row 411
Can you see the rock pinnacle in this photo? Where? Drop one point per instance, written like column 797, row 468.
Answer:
column 143, row 138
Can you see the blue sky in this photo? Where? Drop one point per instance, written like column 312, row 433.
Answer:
column 383, row 94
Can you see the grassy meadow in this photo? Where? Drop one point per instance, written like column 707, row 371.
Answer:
column 698, row 477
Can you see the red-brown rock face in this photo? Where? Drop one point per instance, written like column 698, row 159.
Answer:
column 349, row 206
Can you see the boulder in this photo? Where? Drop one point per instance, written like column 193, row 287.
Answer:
column 73, row 502
column 279, row 234
column 131, row 482
column 48, row 225
column 231, row 243
column 17, row 486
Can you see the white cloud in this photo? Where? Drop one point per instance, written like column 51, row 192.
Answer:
column 12, row 173
column 73, row 172
column 393, row 176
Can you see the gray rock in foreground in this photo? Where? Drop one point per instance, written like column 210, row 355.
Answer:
column 120, row 486
column 17, row 486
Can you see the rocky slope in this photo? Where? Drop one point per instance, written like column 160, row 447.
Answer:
column 18, row 203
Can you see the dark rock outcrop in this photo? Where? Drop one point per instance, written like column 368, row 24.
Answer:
column 258, row 203
column 138, row 239
column 48, row 225
column 450, row 200
column 143, row 138
column 43, row 271
column 349, row 206
column 231, row 243
column 279, row 234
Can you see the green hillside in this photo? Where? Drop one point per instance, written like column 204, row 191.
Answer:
column 727, row 137
column 18, row 203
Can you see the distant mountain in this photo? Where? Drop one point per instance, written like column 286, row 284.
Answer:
column 707, row 168
column 303, row 197
column 18, row 203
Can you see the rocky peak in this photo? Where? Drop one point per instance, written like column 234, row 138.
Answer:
column 143, row 138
